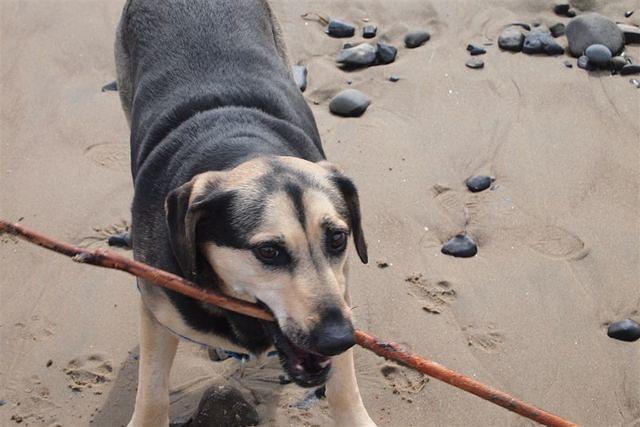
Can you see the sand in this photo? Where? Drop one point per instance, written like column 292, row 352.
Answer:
column 559, row 251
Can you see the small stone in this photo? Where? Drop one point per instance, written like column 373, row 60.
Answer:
column 121, row 240
column 628, row 13
column 3, row 402
column 511, row 39
column 583, row 62
column 300, row 76
column 521, row 24
column 631, row 33
column 617, row 62
column 561, row 9
column 415, row 39
column 461, row 246
column 382, row 264
column 630, row 69
column 110, row 87
column 369, row 31
column 224, row 406
column 624, row 330
column 598, row 55
column 361, row 55
column 475, row 63
column 557, row 30
column 571, row 13
column 394, row 78
column 593, row 28
column 635, row 82
column 476, row 50
column 340, row 29
column 568, row 64
column 540, row 42
column 349, row 103
column 348, row 45
column 479, row 183
column 385, row 53
column 49, row 362
column 16, row 418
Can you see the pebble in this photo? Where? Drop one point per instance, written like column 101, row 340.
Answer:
column 476, row 50
column 583, row 62
column 598, row 54
column 415, row 39
column 361, row 55
column 624, row 330
column 593, row 28
column 561, row 9
column 385, row 53
column 339, row 29
column 635, row 82
column 121, row 240
column 511, row 39
column 475, row 63
column 541, row 42
column 521, row 24
column 557, row 30
column 568, row 64
column 617, row 62
column 3, row 402
column 628, row 13
column 300, row 76
column 369, row 31
column 461, row 246
column 110, row 87
column 479, row 183
column 349, row 103
column 224, row 406
column 629, row 69
column 571, row 13
column 394, row 78
column 631, row 33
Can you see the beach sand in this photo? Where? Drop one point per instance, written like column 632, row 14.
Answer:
column 558, row 235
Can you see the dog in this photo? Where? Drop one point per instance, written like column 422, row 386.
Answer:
column 233, row 192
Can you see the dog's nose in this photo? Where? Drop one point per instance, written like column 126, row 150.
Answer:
column 334, row 335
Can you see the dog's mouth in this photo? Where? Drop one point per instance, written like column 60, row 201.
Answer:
column 305, row 368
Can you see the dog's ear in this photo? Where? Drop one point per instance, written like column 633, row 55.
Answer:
column 350, row 196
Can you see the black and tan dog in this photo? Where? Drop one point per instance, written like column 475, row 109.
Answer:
column 232, row 190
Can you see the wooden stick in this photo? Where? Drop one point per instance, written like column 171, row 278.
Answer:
column 386, row 349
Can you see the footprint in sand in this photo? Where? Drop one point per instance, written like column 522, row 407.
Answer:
column 112, row 156
column 556, row 242
column 435, row 296
column 403, row 381
column 486, row 339
column 88, row 372
column 101, row 235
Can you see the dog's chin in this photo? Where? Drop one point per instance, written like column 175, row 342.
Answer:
column 305, row 368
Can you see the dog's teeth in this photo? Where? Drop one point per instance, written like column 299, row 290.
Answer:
column 324, row 364
column 298, row 367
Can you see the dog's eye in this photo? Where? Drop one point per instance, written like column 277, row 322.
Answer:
column 271, row 254
column 337, row 241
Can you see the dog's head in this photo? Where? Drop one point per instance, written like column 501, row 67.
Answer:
column 276, row 230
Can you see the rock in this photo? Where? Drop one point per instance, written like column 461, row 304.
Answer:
column 369, row 31
column 112, row 86
column 521, row 24
column 561, row 9
column 631, row 33
column 3, row 402
column 598, row 55
column 394, row 78
column 628, row 13
column 511, row 39
column 224, row 406
column 476, row 50
column 571, row 13
column 557, row 30
column 635, row 82
column 415, row 39
column 385, row 53
column 340, row 29
column 540, row 42
column 624, row 330
column 349, row 103
column 629, row 69
column 475, row 63
column 361, row 55
column 121, row 240
column 461, row 246
column 583, row 62
column 479, row 183
column 617, row 62
column 568, row 64
column 300, row 76
column 348, row 45
column 593, row 28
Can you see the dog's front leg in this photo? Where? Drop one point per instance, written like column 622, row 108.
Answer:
column 157, row 350
column 345, row 402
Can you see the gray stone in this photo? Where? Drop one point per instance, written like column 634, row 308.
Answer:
column 593, row 28
column 110, row 87
column 339, row 29
column 120, row 240
column 349, row 103
column 461, row 246
column 629, row 69
column 557, row 30
column 635, row 82
column 511, row 39
column 415, row 39
column 394, row 78
column 479, row 183
column 598, row 55
column 369, row 31
column 583, row 62
column 631, row 33
column 300, row 76
column 475, row 63
column 617, row 62
column 476, row 50
column 628, row 13
column 624, row 330
column 385, row 53
column 571, row 13
column 361, row 55
column 568, row 64
column 541, row 42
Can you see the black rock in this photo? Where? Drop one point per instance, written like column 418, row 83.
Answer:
column 300, row 76
column 394, row 78
column 461, row 246
column 629, row 69
column 628, row 13
column 385, row 53
column 617, row 62
column 624, row 330
column 112, row 86
column 224, row 406
column 361, row 55
column 479, row 183
column 511, row 39
column 348, row 45
column 593, row 28
column 121, row 240
column 476, row 50
column 568, row 64
column 541, row 42
column 369, row 31
column 561, row 9
column 557, row 30
column 340, row 29
column 349, row 103
column 598, row 54
column 475, row 63
column 415, row 39
column 321, row 392
column 583, row 62
column 631, row 33
column 571, row 13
